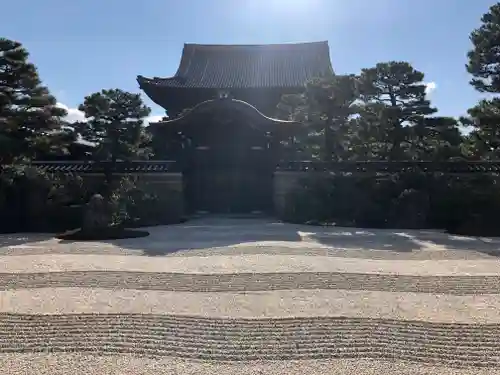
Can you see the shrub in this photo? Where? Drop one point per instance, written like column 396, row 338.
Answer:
column 135, row 206
column 470, row 206
column 68, row 189
column 31, row 200
column 342, row 200
column 309, row 202
column 25, row 192
column 409, row 210
column 66, row 202
column 403, row 200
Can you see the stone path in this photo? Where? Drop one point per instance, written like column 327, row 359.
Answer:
column 221, row 296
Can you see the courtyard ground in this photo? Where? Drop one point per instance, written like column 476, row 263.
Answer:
column 251, row 296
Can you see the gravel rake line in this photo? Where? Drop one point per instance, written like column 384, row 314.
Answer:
column 460, row 345
column 81, row 364
column 239, row 323
column 377, row 254
column 342, row 252
column 251, row 282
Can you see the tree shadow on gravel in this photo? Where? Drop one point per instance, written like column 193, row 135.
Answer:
column 485, row 245
column 366, row 239
column 404, row 241
column 209, row 233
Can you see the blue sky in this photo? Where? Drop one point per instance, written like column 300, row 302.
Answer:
column 83, row 46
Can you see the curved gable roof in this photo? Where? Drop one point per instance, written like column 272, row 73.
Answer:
column 238, row 105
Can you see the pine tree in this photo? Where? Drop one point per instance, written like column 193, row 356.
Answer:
column 371, row 130
column 484, row 58
column 484, row 65
column 436, row 138
column 28, row 113
column 398, row 94
column 330, row 105
column 115, row 120
column 484, row 139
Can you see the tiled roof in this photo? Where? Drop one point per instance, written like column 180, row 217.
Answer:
column 247, row 66
column 153, row 166
column 91, row 167
column 452, row 167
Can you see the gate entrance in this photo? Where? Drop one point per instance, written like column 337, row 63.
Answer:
column 230, row 170
column 228, row 151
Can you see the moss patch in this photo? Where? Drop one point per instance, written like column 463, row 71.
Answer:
column 111, row 233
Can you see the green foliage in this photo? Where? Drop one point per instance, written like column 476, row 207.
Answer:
column 291, row 107
column 484, row 66
column 68, row 189
column 435, row 138
column 326, row 108
column 484, row 58
column 119, row 202
column 382, row 114
column 484, row 139
column 406, row 200
column 135, row 206
column 27, row 111
column 331, row 104
column 115, row 120
column 24, row 195
column 31, row 200
column 343, row 200
column 398, row 94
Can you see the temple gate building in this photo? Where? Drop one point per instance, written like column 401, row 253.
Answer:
column 221, row 129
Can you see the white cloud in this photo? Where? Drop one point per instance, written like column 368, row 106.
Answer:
column 74, row 114
column 430, row 87
column 153, row 118
column 80, row 140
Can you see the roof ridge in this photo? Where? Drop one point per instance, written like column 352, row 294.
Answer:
column 270, row 45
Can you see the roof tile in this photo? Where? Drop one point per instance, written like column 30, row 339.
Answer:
column 247, row 66
column 120, row 167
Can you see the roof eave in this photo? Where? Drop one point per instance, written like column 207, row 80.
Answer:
column 188, row 52
column 231, row 102
column 148, row 86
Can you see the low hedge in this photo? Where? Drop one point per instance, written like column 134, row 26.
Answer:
column 414, row 201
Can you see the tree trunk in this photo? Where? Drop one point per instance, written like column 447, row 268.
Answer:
column 328, row 139
column 395, row 151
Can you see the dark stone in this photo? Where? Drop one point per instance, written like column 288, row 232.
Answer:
column 103, row 234
column 97, row 214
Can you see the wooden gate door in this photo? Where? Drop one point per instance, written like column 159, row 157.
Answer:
column 224, row 184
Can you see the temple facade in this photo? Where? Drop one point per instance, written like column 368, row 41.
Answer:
column 221, row 129
column 256, row 74
column 221, row 150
